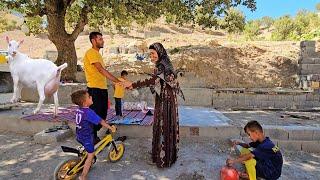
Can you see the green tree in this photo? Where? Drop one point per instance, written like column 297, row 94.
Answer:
column 66, row 19
column 234, row 21
column 252, row 30
column 6, row 25
column 266, row 22
column 284, row 27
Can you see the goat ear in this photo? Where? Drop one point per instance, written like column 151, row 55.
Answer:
column 7, row 38
column 21, row 42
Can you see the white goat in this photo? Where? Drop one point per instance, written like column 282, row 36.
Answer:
column 40, row 74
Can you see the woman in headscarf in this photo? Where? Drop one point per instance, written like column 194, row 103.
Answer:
column 164, row 85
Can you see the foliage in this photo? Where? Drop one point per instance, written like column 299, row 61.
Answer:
column 6, row 25
column 234, row 21
column 266, row 22
column 252, row 30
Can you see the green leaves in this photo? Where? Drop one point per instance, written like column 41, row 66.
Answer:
column 252, row 30
column 234, row 21
column 120, row 14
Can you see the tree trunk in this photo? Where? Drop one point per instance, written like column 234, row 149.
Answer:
column 67, row 53
column 64, row 42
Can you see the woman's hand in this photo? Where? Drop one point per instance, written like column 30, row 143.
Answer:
column 235, row 142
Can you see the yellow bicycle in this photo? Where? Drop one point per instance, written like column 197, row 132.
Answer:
column 70, row 168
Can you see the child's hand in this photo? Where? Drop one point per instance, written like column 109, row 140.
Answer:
column 113, row 128
column 230, row 162
column 235, row 142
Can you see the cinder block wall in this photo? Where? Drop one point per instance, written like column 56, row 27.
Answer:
column 309, row 65
column 224, row 98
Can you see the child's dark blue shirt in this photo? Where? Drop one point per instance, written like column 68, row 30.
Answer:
column 85, row 119
column 269, row 159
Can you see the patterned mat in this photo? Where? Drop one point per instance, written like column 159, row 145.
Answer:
column 68, row 114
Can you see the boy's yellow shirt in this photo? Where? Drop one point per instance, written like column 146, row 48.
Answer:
column 94, row 78
column 118, row 89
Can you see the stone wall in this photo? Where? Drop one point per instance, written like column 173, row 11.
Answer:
column 216, row 98
column 309, row 65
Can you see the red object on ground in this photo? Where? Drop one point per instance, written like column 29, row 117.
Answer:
column 229, row 173
column 109, row 104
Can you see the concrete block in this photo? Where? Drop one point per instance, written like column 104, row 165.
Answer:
column 287, row 97
column 52, row 137
column 273, row 97
column 197, row 97
column 267, row 104
column 309, row 97
column 262, row 97
column 256, row 104
column 289, row 145
column 304, row 67
column 305, row 72
column 276, row 133
column 314, row 68
column 306, row 134
column 316, row 97
column 307, row 44
column 316, row 60
column 299, row 98
column 184, row 131
column 280, row 104
column 312, row 104
column 316, row 135
column 231, row 103
column 224, row 96
column 241, row 103
column 307, row 61
column 216, row 103
column 311, row 146
column 241, row 96
column 222, row 132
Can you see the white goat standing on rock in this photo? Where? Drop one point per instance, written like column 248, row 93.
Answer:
column 40, row 74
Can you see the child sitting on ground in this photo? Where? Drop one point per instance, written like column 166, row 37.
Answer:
column 119, row 91
column 265, row 160
column 85, row 119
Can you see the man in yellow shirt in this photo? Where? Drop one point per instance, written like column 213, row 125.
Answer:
column 119, row 93
column 96, row 76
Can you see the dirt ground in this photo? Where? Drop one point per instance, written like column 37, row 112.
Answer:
column 199, row 158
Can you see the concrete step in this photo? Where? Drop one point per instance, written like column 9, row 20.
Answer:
column 310, row 61
column 52, row 137
column 12, row 121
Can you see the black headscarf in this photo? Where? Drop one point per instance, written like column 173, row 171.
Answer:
column 163, row 64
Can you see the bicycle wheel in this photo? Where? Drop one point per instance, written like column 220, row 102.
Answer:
column 113, row 156
column 61, row 171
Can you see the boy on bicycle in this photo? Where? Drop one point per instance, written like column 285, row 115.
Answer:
column 85, row 120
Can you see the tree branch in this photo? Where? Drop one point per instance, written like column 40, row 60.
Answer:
column 38, row 12
column 82, row 22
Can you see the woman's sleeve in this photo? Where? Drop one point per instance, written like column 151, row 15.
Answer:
column 144, row 83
